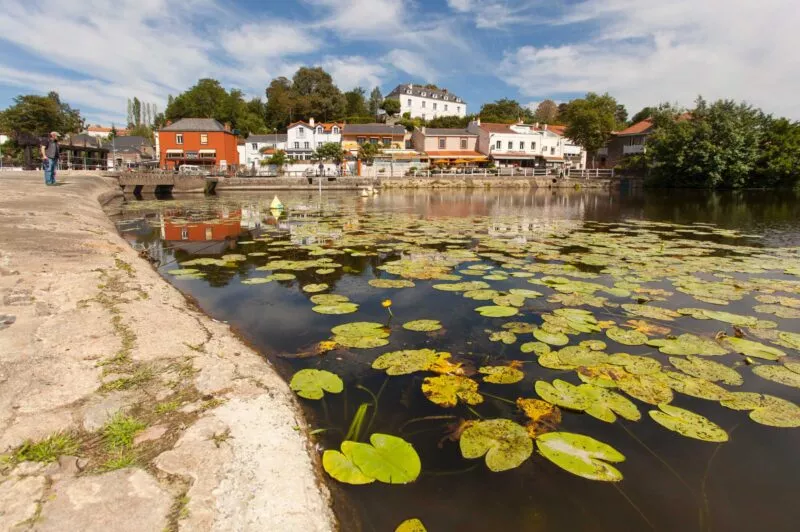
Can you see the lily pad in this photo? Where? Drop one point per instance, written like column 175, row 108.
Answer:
column 501, row 374
column 408, row 361
column 388, row 459
column 505, row 444
column 753, row 349
column 688, row 423
column 361, row 335
column 258, row 280
column 626, row 337
column 461, row 287
column 313, row 383
column 765, row 409
column 688, row 344
column 563, row 394
column 581, row 455
column 517, row 327
column 342, row 468
column 646, row 388
column 329, row 299
column 695, row 386
column 448, row 390
column 552, row 338
column 780, row 374
column 336, row 308
column 507, row 337
column 606, row 404
column 651, row 311
column 314, row 288
column 539, row 348
column 707, row 369
column 791, row 339
column 391, row 283
column 422, row 325
column 544, row 417
column 494, row 311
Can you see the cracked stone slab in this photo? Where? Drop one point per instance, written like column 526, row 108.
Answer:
column 19, row 499
column 127, row 500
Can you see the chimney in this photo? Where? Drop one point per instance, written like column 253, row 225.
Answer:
column 311, row 121
column 478, row 121
column 410, row 85
column 545, row 127
column 536, row 125
column 423, row 130
column 227, row 126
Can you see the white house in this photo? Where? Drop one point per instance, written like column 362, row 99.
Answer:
column 303, row 138
column 524, row 145
column 102, row 132
column 574, row 155
column 250, row 150
column 423, row 102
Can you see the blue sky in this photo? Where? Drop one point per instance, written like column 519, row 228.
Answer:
column 98, row 53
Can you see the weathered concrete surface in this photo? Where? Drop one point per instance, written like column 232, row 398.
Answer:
column 96, row 331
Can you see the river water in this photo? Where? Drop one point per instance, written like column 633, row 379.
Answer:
column 647, row 245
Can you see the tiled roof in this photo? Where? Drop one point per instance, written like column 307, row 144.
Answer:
column 418, row 90
column 268, row 139
column 492, row 127
column 448, row 131
column 639, row 128
column 121, row 143
column 326, row 126
column 557, row 129
column 373, row 129
column 195, row 124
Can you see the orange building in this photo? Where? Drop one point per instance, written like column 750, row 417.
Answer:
column 197, row 141
column 227, row 226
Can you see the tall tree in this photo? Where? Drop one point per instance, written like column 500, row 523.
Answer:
column 546, row 112
column 356, row 102
column 38, row 115
column 590, row 121
column 316, row 95
column 504, row 110
column 280, row 108
column 391, row 106
column 137, row 112
column 130, row 113
column 562, row 111
column 621, row 116
column 330, row 151
column 209, row 99
column 375, row 101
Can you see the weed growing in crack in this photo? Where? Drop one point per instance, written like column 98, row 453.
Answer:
column 119, row 431
column 167, row 407
column 140, row 376
column 119, row 460
column 48, row 449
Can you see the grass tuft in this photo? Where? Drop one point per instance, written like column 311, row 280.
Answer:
column 167, row 407
column 119, row 460
column 140, row 376
column 47, row 450
column 119, row 432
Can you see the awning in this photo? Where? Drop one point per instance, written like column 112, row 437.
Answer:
column 208, row 151
column 456, row 154
column 174, row 151
column 502, row 156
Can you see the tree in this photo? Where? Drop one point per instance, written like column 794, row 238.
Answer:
column 356, row 102
column 504, row 111
column 38, row 115
column 209, row 99
column 450, row 121
column 546, row 112
column 391, row 106
column 645, row 113
column 621, row 116
column 375, row 101
column 778, row 163
column 368, row 151
column 137, row 112
column 280, row 103
column 330, row 151
column 130, row 113
column 590, row 121
column 316, row 96
column 431, row 86
column 279, row 159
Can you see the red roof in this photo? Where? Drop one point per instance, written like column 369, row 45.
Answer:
column 639, row 128
column 325, row 125
column 558, row 130
column 496, row 128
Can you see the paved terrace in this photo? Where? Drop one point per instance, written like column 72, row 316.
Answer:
column 95, row 348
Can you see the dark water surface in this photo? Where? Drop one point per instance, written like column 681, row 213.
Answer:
column 671, row 482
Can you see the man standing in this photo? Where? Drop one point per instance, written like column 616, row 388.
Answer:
column 50, row 158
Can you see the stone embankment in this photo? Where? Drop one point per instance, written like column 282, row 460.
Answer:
column 122, row 407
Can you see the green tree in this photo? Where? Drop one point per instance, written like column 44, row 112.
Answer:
column 368, row 151
column 316, row 96
column 209, row 99
column 590, row 121
column 375, row 101
column 137, row 112
column 330, row 151
column 141, row 131
column 450, row 121
column 504, row 111
column 645, row 113
column 391, row 106
column 546, row 112
column 280, row 106
column 356, row 102
column 621, row 116
column 778, row 163
column 38, row 115
column 279, row 159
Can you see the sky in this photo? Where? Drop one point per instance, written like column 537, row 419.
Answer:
column 99, row 53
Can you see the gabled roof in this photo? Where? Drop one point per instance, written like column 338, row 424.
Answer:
column 195, row 124
column 268, row 139
column 418, row 90
column 373, row 129
column 639, row 128
column 326, row 126
column 557, row 129
column 121, row 143
column 493, row 127
column 448, row 131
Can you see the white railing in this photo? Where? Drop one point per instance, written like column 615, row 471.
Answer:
column 590, row 173
column 635, row 148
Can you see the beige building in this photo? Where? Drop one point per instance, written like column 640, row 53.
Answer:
column 447, row 145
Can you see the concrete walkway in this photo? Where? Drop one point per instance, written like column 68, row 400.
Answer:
column 121, row 407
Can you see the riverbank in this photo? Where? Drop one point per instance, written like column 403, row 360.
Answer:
column 139, row 411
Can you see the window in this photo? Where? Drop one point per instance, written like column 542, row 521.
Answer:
column 178, row 138
column 387, row 141
column 408, row 91
column 184, row 233
column 510, row 145
column 521, row 145
column 297, row 145
column 254, row 146
column 497, row 145
column 301, row 132
column 533, row 146
column 463, row 144
column 458, row 109
column 423, row 114
column 373, row 140
column 335, row 130
column 445, row 107
column 423, row 94
column 306, row 145
column 434, row 106
column 552, row 151
column 361, row 140
column 442, row 143
column 423, row 104
column 209, row 233
column 409, row 102
column 203, row 138
column 319, row 130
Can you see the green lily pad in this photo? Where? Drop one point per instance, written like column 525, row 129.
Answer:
column 314, row 288
column 563, row 394
column 707, row 369
column 646, row 388
column 651, row 311
column 606, row 404
column 461, row 287
column 524, row 292
column 688, row 344
column 753, row 349
column 258, row 280
column 581, row 455
column 422, row 325
column 342, row 468
column 329, row 299
column 501, row 374
column 408, row 361
column 626, row 336
column 791, row 339
column 594, row 345
column 505, row 444
column 234, row 257
column 336, row 308
column 184, row 271
column 313, row 383
column 388, row 459
column 695, row 386
column 518, row 327
column 780, row 374
column 361, row 335
column 494, row 311
column 391, row 283
column 539, row 348
column 552, row 338
column 765, row 409
column 576, row 355
column 637, row 365
column 448, row 390
column 283, row 276
column 481, row 295
column 507, row 337
column 688, row 424
column 324, row 271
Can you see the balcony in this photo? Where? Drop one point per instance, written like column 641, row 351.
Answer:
column 630, row 150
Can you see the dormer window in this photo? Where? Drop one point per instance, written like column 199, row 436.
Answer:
column 335, row 130
column 446, row 98
column 423, row 94
column 319, row 130
column 408, row 91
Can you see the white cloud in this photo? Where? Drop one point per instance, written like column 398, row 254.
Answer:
column 497, row 14
column 651, row 51
column 462, row 6
column 268, row 40
column 411, row 63
column 354, row 71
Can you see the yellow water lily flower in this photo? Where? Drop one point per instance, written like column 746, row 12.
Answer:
column 386, row 303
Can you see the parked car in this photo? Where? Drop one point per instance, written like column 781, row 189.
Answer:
column 192, row 169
